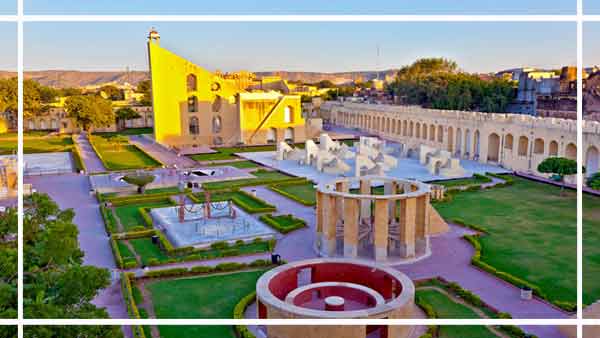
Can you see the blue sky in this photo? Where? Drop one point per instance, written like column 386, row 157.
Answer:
column 8, row 7
column 591, row 48
column 301, row 6
column 591, row 6
column 481, row 47
column 8, row 39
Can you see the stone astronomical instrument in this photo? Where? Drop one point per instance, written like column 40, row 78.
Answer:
column 335, row 288
column 391, row 225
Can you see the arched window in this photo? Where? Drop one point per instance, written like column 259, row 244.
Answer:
column 523, row 145
column 216, row 124
column 192, row 104
column 553, row 149
column 271, row 135
column 288, row 114
column 571, row 151
column 191, row 83
column 194, row 126
column 538, row 146
column 508, row 141
column 288, row 135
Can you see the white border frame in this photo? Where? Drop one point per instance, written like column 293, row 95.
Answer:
column 579, row 18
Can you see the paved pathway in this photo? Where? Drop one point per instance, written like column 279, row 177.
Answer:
column 73, row 191
column 164, row 155
column 88, row 155
column 451, row 259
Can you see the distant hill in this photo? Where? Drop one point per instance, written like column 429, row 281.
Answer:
column 71, row 78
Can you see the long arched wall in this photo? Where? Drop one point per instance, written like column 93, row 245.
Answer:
column 517, row 142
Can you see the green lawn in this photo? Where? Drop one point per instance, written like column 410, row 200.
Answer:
column 305, row 191
column 128, row 131
column 475, row 180
column 445, row 308
column 532, row 232
column 263, row 177
column 117, row 154
column 147, row 250
column 46, row 144
column 201, row 297
column 126, row 254
column 227, row 153
column 591, row 249
column 130, row 216
column 236, row 164
column 8, row 143
column 283, row 223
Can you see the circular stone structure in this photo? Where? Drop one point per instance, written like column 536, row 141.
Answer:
column 335, row 288
column 354, row 220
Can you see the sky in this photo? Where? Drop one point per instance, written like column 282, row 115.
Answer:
column 8, row 39
column 8, row 7
column 300, row 6
column 591, row 47
column 321, row 47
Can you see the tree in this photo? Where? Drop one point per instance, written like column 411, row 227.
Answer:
column 90, row 111
column 140, row 180
column 8, row 264
column 559, row 167
column 112, row 93
column 594, row 181
column 56, row 284
column 8, row 95
column 145, row 87
column 124, row 114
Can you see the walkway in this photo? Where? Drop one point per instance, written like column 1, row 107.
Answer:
column 164, row 155
column 92, row 162
column 558, row 184
column 73, row 191
column 450, row 259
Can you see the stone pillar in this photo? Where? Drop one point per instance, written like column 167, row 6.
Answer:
column 365, row 204
column 422, row 222
column 407, row 227
column 389, row 188
column 319, row 212
column 380, row 229
column 351, row 216
column 328, row 246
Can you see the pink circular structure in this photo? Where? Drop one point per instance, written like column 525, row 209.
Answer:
column 334, row 288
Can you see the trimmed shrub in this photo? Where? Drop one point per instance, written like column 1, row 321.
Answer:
column 229, row 266
column 238, row 313
column 110, row 223
column 277, row 188
column 129, row 299
column 284, row 229
column 167, row 272
column 116, row 253
column 202, row 269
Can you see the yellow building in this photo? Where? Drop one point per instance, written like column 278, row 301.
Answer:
column 194, row 107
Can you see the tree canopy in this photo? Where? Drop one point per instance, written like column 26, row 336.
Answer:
column 90, row 111
column 8, row 264
column 56, row 284
column 111, row 92
column 558, row 166
column 145, row 87
column 437, row 83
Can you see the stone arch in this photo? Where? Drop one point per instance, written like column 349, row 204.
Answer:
column 271, row 135
column 30, row 125
column 458, row 141
column 538, row 146
column 571, row 151
column 404, row 128
column 468, row 142
column 288, row 134
column 476, row 144
column 192, row 82
column 523, row 146
column 553, row 148
column 194, row 126
column 432, row 132
column 217, row 124
column 450, row 139
column 192, row 104
column 411, row 127
column 418, row 130
column 493, row 147
column 424, row 131
column 394, row 126
column 288, row 114
column 592, row 161
column 440, row 134
column 53, row 124
column 508, row 141
column 388, row 125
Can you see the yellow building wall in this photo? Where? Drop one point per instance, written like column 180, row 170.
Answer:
column 239, row 123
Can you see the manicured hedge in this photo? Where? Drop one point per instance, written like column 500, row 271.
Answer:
column 518, row 282
column 110, row 223
column 77, row 161
column 277, row 188
column 132, row 309
column 199, row 270
column 461, row 222
column 145, row 213
column 237, row 197
column 183, row 254
column 272, row 221
column 238, row 313
column 508, row 179
column 138, row 199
